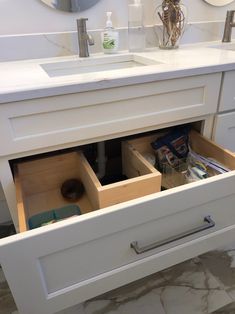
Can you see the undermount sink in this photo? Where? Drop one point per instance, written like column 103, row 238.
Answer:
column 225, row 46
column 96, row 64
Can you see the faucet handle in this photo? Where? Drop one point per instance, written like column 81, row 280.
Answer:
column 229, row 23
column 91, row 40
column 230, row 14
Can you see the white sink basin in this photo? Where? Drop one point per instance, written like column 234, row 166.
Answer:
column 96, row 64
column 224, row 46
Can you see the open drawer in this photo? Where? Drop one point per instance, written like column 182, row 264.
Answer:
column 60, row 265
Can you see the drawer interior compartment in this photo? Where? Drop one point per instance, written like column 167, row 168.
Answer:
column 38, row 184
column 143, row 179
column 199, row 145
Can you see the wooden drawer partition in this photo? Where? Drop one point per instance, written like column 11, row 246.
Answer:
column 143, row 179
column 38, row 183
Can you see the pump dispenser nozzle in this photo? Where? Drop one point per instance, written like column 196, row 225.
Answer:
column 109, row 23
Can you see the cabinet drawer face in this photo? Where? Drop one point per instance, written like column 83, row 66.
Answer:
column 227, row 100
column 224, row 133
column 82, row 117
column 73, row 260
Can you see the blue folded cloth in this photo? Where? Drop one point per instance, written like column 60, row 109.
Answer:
column 53, row 215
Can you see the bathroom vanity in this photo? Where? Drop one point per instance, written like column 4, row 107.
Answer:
column 56, row 266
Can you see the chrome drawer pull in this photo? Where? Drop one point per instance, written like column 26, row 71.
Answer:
column 139, row 250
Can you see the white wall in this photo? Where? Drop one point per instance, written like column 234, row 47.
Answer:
column 32, row 16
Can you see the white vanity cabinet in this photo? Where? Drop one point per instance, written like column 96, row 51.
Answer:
column 57, row 266
column 224, row 129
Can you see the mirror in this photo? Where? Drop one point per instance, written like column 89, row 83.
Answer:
column 219, row 3
column 70, row 5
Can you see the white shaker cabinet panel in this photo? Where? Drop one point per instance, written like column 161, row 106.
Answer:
column 51, row 121
column 227, row 100
column 225, row 130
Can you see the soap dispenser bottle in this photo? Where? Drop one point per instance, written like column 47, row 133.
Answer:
column 136, row 30
column 110, row 36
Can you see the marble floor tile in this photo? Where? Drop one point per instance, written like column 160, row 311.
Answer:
column 222, row 265
column 149, row 303
column 229, row 309
column 2, row 277
column 185, row 288
column 7, row 304
column 77, row 309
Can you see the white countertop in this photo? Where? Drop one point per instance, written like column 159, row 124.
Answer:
column 26, row 79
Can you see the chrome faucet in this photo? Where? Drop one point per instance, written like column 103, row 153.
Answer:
column 229, row 24
column 83, row 38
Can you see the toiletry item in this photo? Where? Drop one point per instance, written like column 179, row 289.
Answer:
column 110, row 36
column 136, row 31
column 72, row 190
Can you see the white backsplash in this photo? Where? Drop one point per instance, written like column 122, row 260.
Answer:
column 31, row 46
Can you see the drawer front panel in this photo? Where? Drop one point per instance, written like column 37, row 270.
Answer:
column 224, row 131
column 227, row 100
column 89, row 260
column 66, row 263
column 52, row 121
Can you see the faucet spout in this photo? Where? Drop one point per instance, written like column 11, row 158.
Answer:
column 90, row 40
column 83, row 38
column 229, row 24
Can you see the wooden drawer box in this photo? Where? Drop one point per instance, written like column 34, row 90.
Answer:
column 38, row 183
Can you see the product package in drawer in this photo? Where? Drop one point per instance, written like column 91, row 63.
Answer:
column 52, row 189
column 183, row 156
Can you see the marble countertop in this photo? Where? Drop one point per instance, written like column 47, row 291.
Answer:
column 21, row 80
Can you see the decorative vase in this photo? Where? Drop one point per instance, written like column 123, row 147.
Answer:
column 171, row 19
